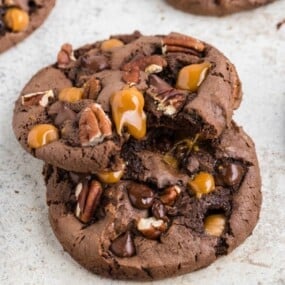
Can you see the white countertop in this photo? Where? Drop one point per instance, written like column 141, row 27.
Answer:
column 30, row 253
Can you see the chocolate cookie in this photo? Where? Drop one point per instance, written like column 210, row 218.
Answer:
column 19, row 18
column 78, row 113
column 177, row 206
column 216, row 7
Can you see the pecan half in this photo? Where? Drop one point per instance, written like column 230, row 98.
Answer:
column 175, row 42
column 88, row 196
column 38, row 98
column 65, row 55
column 168, row 99
column 94, row 125
column 91, row 88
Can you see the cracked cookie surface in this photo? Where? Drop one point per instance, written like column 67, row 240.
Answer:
column 80, row 112
column 216, row 7
column 176, row 207
column 19, row 18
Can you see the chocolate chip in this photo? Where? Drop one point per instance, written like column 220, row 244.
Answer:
column 193, row 164
column 140, row 196
column 230, row 173
column 94, row 62
column 61, row 113
column 158, row 210
column 123, row 246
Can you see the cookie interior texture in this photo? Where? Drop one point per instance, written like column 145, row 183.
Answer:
column 37, row 11
column 217, row 8
column 194, row 228
column 150, row 65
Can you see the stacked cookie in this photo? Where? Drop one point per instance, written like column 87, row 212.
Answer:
column 147, row 175
column 216, row 7
column 19, row 18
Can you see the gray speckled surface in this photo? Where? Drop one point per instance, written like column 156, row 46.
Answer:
column 29, row 252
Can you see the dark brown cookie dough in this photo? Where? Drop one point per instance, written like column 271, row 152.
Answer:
column 162, row 218
column 173, row 81
column 19, row 18
column 216, row 7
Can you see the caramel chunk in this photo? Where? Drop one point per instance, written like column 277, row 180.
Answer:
column 71, row 94
column 16, row 19
column 110, row 44
column 127, row 110
column 203, row 183
column 111, row 177
column 214, row 225
column 191, row 76
column 41, row 135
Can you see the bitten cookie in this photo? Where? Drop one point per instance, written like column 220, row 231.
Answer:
column 19, row 18
column 179, row 204
column 216, row 7
column 78, row 113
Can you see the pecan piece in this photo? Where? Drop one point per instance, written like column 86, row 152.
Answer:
column 170, row 195
column 94, row 125
column 132, row 76
column 91, row 88
column 151, row 227
column 65, row 55
column 142, row 63
column 88, row 196
column 168, row 99
column 175, row 42
column 38, row 98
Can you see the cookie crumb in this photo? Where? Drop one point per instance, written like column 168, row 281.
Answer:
column 280, row 24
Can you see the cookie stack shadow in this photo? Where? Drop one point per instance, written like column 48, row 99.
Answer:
column 147, row 175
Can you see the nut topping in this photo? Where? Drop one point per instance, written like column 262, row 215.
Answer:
column 159, row 210
column 37, row 98
column 88, row 196
column 180, row 43
column 94, row 125
column 153, row 68
column 170, row 195
column 132, row 76
column 169, row 100
column 151, row 227
column 149, row 64
column 91, row 88
column 143, row 62
column 65, row 56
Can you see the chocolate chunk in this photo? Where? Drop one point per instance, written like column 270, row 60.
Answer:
column 64, row 115
column 216, row 7
column 230, row 173
column 123, row 246
column 140, row 196
column 94, row 62
column 158, row 210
